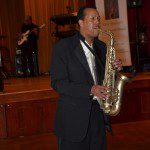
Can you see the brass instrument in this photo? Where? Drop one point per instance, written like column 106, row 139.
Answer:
column 112, row 79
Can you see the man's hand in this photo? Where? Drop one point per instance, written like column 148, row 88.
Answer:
column 100, row 91
column 117, row 65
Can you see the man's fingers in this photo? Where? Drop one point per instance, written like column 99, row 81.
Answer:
column 103, row 93
column 117, row 64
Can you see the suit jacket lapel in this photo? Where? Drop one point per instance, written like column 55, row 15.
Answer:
column 79, row 53
column 82, row 59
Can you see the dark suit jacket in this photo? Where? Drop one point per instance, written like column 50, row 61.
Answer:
column 72, row 79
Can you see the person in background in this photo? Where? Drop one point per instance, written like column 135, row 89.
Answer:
column 29, row 47
column 77, row 74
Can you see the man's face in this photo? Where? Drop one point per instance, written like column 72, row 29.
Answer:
column 91, row 23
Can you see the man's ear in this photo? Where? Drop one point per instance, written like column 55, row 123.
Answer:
column 80, row 23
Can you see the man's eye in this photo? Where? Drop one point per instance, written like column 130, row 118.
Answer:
column 92, row 18
column 95, row 18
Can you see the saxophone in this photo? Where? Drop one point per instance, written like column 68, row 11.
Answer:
column 112, row 79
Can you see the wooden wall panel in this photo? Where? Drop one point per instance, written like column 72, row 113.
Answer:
column 3, row 131
column 145, row 103
column 18, row 119
column 31, row 117
column 135, row 103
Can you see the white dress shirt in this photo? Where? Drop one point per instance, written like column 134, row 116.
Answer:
column 91, row 60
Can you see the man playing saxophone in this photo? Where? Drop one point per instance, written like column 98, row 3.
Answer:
column 77, row 72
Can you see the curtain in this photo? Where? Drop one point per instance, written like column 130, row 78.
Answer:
column 11, row 17
column 41, row 11
column 90, row 2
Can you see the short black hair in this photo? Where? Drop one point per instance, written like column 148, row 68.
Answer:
column 80, row 14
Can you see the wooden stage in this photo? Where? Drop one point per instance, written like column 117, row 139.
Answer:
column 27, row 85
column 41, row 83
column 28, row 105
column 15, row 85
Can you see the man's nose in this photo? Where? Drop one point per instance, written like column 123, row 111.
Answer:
column 97, row 22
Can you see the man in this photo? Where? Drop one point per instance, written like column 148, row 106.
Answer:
column 29, row 47
column 77, row 74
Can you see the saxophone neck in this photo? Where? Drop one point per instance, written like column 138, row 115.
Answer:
column 110, row 34
column 107, row 32
column 112, row 41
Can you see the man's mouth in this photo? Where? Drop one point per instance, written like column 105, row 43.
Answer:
column 96, row 28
